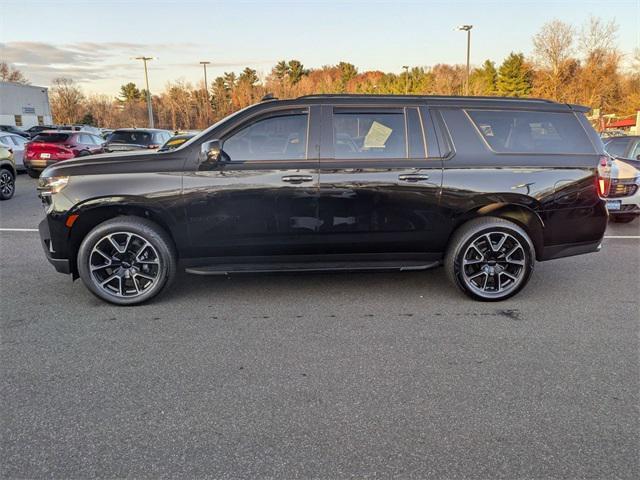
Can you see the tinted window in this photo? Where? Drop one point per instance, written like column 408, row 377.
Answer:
column 531, row 132
column 616, row 146
column 274, row 138
column 51, row 137
column 369, row 135
column 136, row 138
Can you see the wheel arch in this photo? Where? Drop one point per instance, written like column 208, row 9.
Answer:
column 521, row 215
column 90, row 216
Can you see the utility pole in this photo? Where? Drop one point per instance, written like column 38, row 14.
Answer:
column 467, row 28
column 206, row 90
column 146, row 79
column 406, row 79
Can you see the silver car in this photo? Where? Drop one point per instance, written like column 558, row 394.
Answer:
column 16, row 144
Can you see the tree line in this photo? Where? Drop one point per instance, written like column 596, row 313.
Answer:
column 568, row 64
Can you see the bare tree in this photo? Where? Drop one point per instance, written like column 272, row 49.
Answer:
column 553, row 45
column 11, row 74
column 67, row 101
column 597, row 37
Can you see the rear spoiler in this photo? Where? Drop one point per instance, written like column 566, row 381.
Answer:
column 578, row 108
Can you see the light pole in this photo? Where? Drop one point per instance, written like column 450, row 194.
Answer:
column 406, row 79
column 206, row 89
column 146, row 79
column 467, row 28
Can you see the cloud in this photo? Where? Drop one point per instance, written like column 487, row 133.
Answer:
column 109, row 63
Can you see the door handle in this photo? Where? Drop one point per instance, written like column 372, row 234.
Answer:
column 297, row 178
column 413, row 177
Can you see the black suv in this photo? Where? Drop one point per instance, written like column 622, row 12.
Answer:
column 485, row 186
column 127, row 139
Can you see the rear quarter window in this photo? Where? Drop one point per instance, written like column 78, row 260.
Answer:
column 513, row 131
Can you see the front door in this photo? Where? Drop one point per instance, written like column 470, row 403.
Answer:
column 380, row 180
column 262, row 200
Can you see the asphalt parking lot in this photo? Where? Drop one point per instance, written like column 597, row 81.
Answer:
column 320, row 375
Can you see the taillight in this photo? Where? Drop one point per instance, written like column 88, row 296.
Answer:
column 603, row 179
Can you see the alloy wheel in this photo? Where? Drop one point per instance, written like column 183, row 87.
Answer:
column 494, row 264
column 6, row 183
column 124, row 264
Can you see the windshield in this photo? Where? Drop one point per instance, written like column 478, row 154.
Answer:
column 136, row 138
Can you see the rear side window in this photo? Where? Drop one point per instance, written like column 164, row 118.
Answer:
column 512, row 131
column 369, row 134
column 51, row 137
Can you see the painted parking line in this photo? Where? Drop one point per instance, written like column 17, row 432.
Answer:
column 635, row 237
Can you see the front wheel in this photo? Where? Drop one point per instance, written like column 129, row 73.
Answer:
column 127, row 260
column 7, row 184
column 490, row 259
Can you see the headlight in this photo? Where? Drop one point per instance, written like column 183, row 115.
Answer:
column 52, row 184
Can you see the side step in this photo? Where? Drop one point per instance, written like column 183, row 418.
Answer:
column 386, row 265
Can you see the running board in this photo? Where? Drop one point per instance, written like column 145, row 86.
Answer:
column 229, row 268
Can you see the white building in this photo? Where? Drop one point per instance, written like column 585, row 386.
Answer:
column 24, row 105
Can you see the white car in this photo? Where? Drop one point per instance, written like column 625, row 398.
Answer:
column 16, row 144
column 623, row 201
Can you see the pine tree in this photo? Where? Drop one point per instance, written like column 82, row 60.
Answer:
column 483, row 79
column 514, row 77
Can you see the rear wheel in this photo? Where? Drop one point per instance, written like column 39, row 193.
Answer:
column 490, row 259
column 7, row 184
column 624, row 218
column 127, row 260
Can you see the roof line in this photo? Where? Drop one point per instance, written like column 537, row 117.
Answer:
column 427, row 97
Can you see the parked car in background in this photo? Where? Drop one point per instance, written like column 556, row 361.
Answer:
column 126, row 139
column 105, row 132
column 176, row 141
column 36, row 129
column 54, row 146
column 483, row 186
column 7, row 174
column 15, row 143
column 623, row 147
column 81, row 128
column 12, row 129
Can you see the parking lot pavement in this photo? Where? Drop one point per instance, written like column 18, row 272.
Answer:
column 320, row 375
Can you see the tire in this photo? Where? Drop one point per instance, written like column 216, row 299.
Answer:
column 624, row 218
column 7, row 184
column 139, row 268
column 508, row 267
column 33, row 173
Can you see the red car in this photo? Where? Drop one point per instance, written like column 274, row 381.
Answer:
column 51, row 147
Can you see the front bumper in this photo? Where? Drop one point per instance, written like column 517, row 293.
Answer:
column 60, row 264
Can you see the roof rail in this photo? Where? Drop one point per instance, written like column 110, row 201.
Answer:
column 433, row 97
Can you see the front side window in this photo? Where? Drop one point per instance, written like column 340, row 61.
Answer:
column 282, row 137
column 512, row 131
column 369, row 135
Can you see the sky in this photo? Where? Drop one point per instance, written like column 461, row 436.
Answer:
column 93, row 42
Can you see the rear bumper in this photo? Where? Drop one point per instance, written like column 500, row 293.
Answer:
column 60, row 264
column 38, row 165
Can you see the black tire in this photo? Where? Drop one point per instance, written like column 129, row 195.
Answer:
column 126, row 266
column 499, row 264
column 33, row 173
column 7, row 184
column 624, row 218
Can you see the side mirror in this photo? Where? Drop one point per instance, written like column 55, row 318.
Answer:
column 211, row 153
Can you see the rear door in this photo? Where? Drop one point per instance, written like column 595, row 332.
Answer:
column 380, row 180
column 262, row 200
